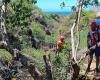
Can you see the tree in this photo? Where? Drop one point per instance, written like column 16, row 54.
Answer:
column 18, row 8
column 81, row 4
column 19, row 15
column 18, row 20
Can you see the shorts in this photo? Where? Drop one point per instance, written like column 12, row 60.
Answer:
column 97, row 51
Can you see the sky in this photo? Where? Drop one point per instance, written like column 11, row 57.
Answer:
column 54, row 5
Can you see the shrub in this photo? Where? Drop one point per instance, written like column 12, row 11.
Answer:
column 5, row 55
column 37, row 30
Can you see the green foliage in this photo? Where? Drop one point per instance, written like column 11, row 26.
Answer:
column 55, row 17
column 25, row 42
column 49, row 20
column 60, row 67
column 37, row 30
column 83, row 38
column 67, row 47
column 19, row 15
column 37, row 10
column 36, row 56
column 86, row 17
column 91, row 2
column 71, row 16
column 32, row 1
column 60, row 64
column 52, row 38
column 5, row 55
column 62, row 5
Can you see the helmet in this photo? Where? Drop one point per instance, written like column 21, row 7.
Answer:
column 98, row 14
column 62, row 38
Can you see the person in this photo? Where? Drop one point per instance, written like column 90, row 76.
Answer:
column 93, row 39
column 91, row 42
column 97, row 50
column 59, row 44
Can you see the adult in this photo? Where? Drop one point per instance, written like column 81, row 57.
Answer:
column 59, row 44
column 91, row 42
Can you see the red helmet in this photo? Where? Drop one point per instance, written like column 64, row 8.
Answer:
column 62, row 38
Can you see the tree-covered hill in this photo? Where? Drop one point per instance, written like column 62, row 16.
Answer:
column 26, row 27
column 34, row 33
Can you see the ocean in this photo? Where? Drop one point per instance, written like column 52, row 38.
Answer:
column 56, row 12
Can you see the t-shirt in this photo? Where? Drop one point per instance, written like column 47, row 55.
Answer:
column 59, row 44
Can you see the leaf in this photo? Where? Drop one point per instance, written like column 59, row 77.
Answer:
column 62, row 5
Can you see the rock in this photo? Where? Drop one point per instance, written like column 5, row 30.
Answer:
column 48, row 32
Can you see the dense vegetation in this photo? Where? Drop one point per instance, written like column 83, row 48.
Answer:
column 23, row 15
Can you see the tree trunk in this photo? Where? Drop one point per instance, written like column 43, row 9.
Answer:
column 75, row 25
column 73, row 43
column 76, row 70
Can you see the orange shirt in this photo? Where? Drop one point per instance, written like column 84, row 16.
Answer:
column 59, row 44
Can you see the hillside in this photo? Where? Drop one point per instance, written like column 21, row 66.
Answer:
column 31, row 37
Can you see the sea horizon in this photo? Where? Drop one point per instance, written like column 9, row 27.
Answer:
column 58, row 12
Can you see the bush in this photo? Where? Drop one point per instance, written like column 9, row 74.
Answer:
column 25, row 42
column 86, row 17
column 60, row 64
column 37, row 30
column 5, row 55
column 83, row 34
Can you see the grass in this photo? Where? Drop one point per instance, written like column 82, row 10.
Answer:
column 83, row 38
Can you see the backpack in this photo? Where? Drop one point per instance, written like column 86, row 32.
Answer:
column 98, row 31
column 91, row 39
